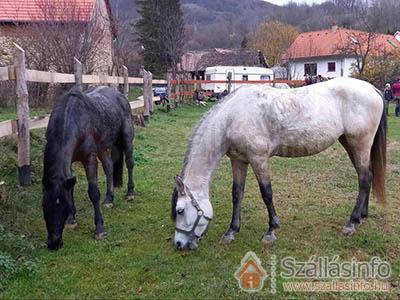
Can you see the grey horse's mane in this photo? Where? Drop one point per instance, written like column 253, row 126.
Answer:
column 197, row 130
column 196, row 133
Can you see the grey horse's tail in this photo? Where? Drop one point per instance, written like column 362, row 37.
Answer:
column 378, row 156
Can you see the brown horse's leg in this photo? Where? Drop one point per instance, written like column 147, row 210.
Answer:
column 94, row 195
column 128, row 135
column 239, row 170
column 260, row 167
column 359, row 152
column 71, row 219
column 108, row 170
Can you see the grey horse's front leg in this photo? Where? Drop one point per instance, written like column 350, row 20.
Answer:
column 239, row 170
column 267, row 195
column 260, row 167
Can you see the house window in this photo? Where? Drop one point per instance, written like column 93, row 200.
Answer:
column 245, row 77
column 331, row 67
column 265, row 77
column 310, row 69
column 208, row 77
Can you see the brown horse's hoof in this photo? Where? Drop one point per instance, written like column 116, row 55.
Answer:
column 108, row 205
column 226, row 239
column 71, row 226
column 349, row 230
column 100, row 236
column 130, row 197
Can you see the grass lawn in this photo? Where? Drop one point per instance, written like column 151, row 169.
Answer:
column 313, row 196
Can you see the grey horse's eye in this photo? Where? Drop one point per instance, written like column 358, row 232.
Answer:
column 180, row 211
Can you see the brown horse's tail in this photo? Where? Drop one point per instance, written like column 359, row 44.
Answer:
column 378, row 158
column 117, row 155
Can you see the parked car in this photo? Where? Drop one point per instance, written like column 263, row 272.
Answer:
column 160, row 91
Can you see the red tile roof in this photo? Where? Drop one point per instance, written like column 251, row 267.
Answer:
column 44, row 10
column 332, row 42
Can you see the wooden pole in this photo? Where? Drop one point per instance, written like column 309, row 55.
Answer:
column 150, row 87
column 126, row 81
column 146, row 108
column 169, row 85
column 78, row 74
column 23, row 164
column 178, row 90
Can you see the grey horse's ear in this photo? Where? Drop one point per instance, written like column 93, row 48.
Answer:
column 180, row 186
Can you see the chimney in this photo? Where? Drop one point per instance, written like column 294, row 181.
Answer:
column 397, row 36
column 334, row 28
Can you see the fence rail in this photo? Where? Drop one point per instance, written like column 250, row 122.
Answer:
column 23, row 124
column 290, row 82
column 7, row 73
column 10, row 127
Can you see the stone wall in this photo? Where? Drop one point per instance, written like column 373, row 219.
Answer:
column 102, row 62
column 7, row 36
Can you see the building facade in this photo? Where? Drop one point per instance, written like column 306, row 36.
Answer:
column 334, row 52
column 19, row 17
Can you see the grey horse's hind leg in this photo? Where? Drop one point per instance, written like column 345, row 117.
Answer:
column 260, row 167
column 350, row 150
column 359, row 152
column 239, row 170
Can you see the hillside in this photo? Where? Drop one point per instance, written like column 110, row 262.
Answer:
column 211, row 23
column 224, row 23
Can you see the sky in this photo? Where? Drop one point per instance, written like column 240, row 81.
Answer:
column 282, row 2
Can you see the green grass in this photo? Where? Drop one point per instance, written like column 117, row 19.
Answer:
column 314, row 197
column 10, row 113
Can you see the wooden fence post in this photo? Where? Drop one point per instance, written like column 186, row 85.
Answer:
column 126, row 81
column 146, row 107
column 169, row 86
column 150, row 93
column 78, row 74
column 23, row 164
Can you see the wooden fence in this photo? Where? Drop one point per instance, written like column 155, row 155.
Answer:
column 185, row 88
column 23, row 123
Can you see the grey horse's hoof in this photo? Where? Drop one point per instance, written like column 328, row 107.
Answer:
column 269, row 238
column 71, row 225
column 130, row 197
column 349, row 229
column 108, row 204
column 100, row 236
column 226, row 239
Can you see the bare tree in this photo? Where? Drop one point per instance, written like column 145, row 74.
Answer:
column 64, row 30
column 358, row 45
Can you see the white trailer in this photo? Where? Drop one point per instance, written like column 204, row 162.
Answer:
column 235, row 73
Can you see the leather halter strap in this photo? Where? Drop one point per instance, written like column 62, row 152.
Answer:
column 200, row 214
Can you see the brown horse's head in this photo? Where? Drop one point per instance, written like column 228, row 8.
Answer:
column 57, row 194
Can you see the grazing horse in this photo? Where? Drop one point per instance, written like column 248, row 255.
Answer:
column 258, row 122
column 84, row 127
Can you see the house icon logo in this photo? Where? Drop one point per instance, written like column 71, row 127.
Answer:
column 251, row 275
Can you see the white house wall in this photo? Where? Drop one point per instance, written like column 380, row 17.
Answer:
column 297, row 67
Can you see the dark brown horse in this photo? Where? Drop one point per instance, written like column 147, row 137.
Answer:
column 85, row 127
